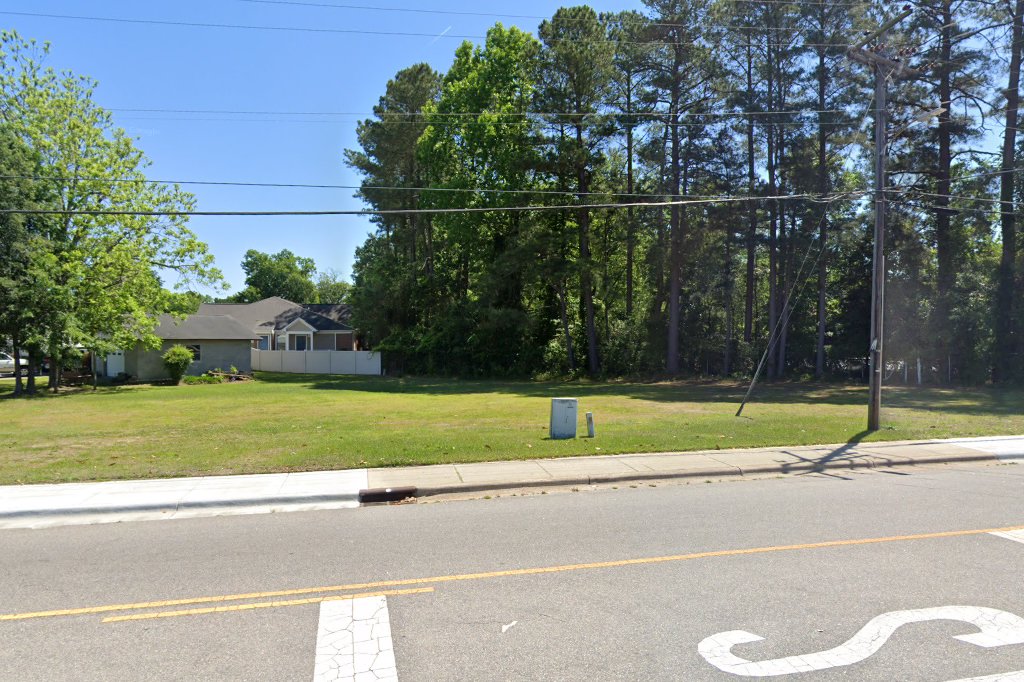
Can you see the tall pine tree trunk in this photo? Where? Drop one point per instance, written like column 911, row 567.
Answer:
column 729, row 286
column 17, row 367
column 748, row 303
column 773, row 225
column 945, row 245
column 586, row 277
column 676, row 247
column 773, row 228
column 630, row 214
column 1005, row 364
column 823, row 189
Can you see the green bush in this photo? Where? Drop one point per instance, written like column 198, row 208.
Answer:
column 233, row 370
column 177, row 360
column 205, row 379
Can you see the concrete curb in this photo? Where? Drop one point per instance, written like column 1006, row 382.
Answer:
column 725, row 471
column 21, row 518
column 169, row 508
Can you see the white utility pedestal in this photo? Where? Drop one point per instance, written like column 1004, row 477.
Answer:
column 563, row 418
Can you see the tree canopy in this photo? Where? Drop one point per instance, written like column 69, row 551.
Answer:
column 289, row 276
column 78, row 278
column 750, row 111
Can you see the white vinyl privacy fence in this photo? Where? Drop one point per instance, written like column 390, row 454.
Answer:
column 316, row 361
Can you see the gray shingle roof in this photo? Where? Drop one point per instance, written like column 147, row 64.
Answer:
column 339, row 312
column 203, row 328
column 258, row 315
column 277, row 313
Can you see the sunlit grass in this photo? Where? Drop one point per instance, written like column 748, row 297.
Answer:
column 289, row 423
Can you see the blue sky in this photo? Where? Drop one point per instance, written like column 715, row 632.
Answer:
column 194, row 68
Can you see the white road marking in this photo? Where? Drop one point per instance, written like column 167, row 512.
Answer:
column 506, row 628
column 997, row 628
column 353, row 642
column 1015, row 535
column 1000, row 677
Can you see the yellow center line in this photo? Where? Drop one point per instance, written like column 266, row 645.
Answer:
column 498, row 574
column 261, row 605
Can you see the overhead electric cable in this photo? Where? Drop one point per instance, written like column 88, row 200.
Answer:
column 416, row 211
column 347, row 31
column 536, row 17
column 440, row 124
column 798, row 286
column 230, row 183
column 417, row 10
column 521, row 114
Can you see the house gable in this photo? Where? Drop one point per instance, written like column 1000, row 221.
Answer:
column 299, row 324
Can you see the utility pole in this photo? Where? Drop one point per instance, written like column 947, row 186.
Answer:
column 884, row 68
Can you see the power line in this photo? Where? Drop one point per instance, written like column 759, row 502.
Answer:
column 351, row 31
column 431, row 114
column 787, row 311
column 446, row 124
column 928, row 206
column 416, row 10
column 536, row 17
column 914, row 193
column 196, row 24
column 418, row 211
column 229, row 183
column 806, row 3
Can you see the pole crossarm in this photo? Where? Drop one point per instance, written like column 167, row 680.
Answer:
column 892, row 68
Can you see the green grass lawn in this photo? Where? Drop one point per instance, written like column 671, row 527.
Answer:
column 292, row 423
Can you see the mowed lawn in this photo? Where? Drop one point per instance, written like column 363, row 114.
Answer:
column 293, row 423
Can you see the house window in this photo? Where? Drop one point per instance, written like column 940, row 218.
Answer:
column 197, row 352
column 299, row 342
column 264, row 342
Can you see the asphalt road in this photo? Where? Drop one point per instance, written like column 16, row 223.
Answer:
column 677, row 569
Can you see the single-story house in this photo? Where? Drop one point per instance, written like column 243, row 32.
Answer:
column 216, row 342
column 221, row 335
column 280, row 324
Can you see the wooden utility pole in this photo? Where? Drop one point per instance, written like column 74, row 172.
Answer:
column 885, row 69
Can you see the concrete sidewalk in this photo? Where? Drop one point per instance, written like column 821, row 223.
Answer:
column 40, row 506
column 455, row 478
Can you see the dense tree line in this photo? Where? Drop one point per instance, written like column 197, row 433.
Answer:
column 695, row 99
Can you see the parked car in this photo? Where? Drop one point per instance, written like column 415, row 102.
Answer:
column 7, row 363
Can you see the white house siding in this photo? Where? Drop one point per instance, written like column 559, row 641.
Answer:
column 148, row 365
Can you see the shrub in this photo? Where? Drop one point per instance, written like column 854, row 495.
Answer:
column 233, row 370
column 205, row 379
column 177, row 360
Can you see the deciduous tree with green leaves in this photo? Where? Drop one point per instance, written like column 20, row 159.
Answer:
column 279, row 274
column 106, row 272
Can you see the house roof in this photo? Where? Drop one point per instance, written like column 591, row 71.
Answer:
column 276, row 313
column 319, row 322
column 339, row 312
column 203, row 328
column 259, row 315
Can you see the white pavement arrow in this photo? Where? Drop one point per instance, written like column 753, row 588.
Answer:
column 997, row 628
